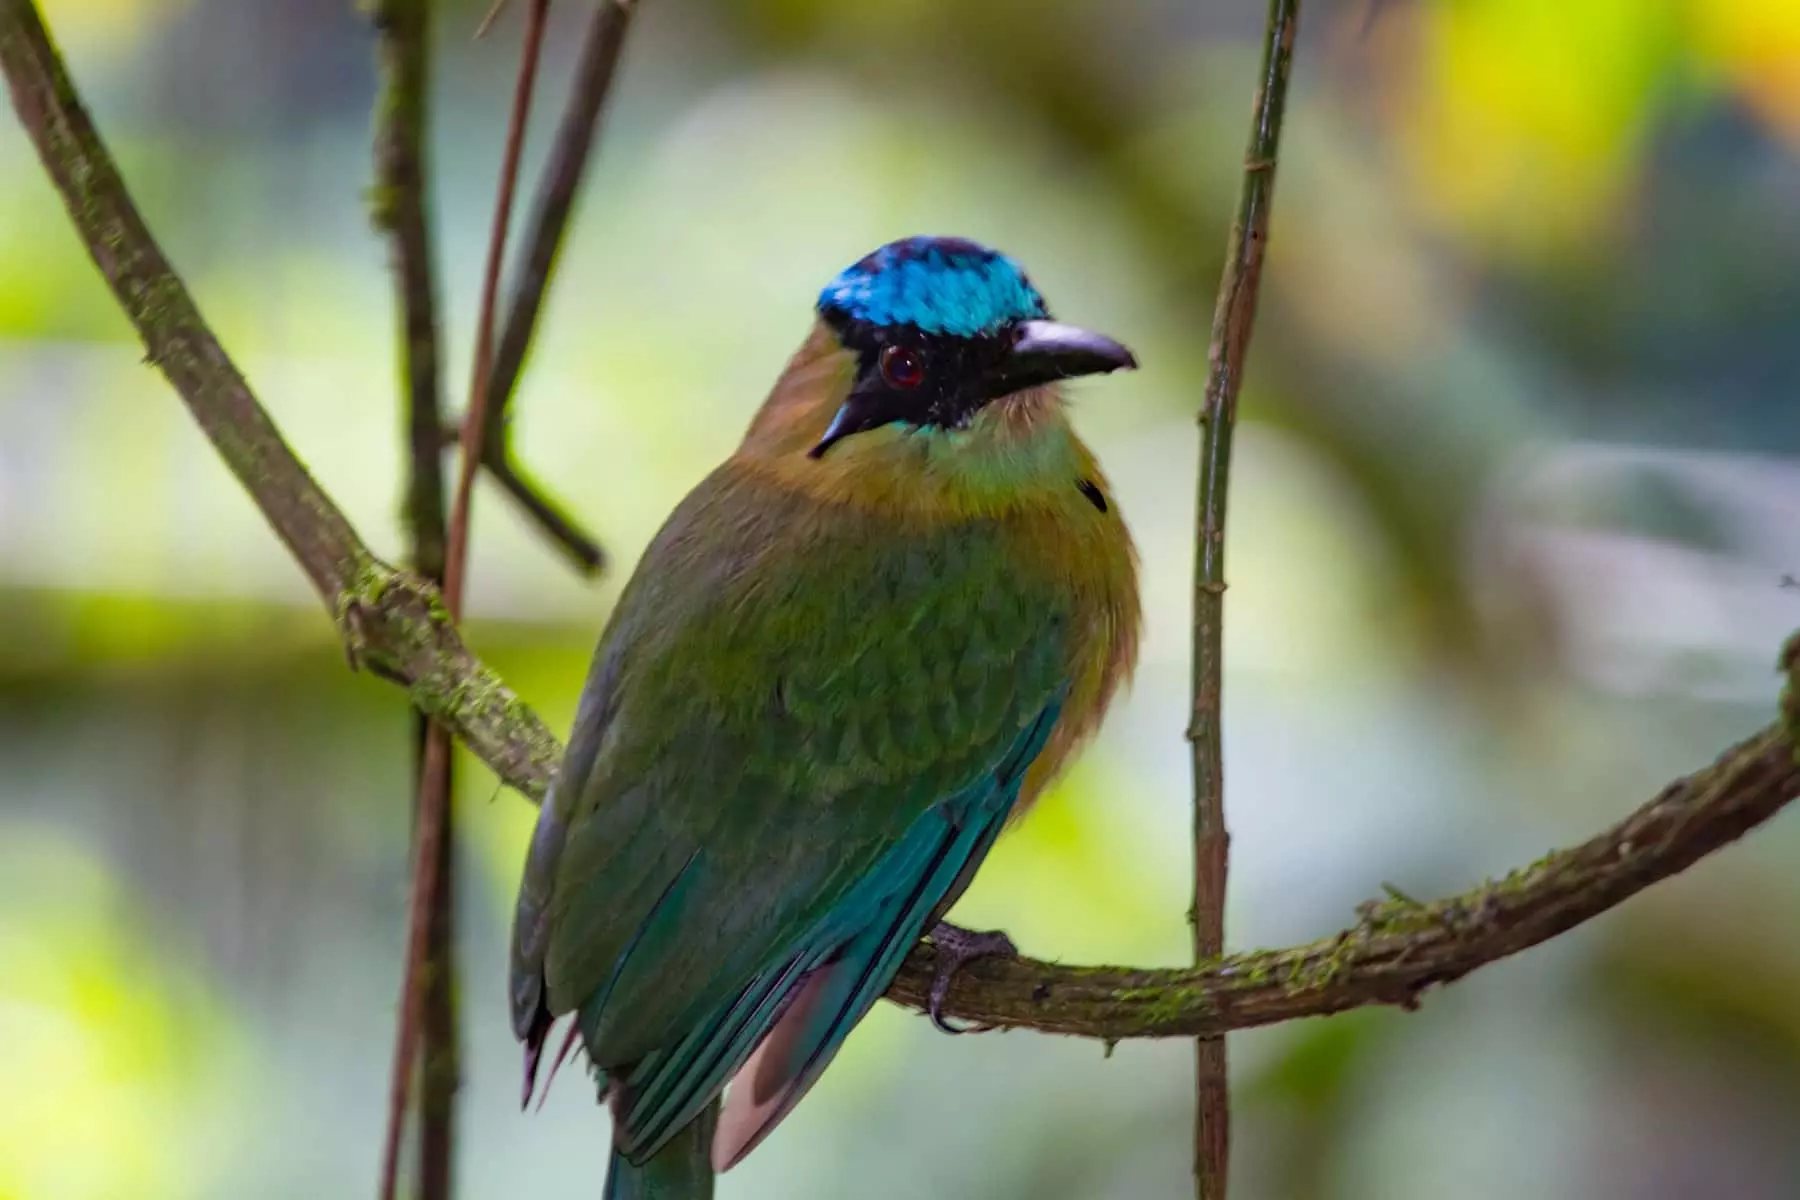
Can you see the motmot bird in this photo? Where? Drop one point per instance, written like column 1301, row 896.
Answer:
column 852, row 654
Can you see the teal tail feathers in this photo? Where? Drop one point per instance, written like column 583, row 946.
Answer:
column 681, row 1170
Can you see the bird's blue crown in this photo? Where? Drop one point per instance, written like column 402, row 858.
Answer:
column 936, row 284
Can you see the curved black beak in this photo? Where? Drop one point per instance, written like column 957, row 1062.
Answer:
column 1046, row 351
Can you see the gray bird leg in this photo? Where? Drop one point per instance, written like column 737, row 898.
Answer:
column 956, row 948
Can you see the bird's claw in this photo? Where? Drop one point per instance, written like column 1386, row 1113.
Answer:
column 956, row 948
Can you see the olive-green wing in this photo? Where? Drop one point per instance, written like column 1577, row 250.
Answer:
column 788, row 704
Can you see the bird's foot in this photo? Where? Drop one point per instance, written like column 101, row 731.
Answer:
column 956, row 948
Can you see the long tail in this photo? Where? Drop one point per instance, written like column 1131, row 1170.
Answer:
column 681, row 1170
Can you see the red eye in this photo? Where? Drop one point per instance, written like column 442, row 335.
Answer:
column 901, row 367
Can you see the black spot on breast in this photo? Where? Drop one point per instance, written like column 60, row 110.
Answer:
column 1092, row 491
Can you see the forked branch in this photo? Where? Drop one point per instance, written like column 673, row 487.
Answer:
column 555, row 203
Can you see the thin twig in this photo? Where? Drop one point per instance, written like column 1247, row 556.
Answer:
column 583, row 552
column 475, row 423
column 434, row 780
column 557, row 189
column 488, row 18
column 404, row 34
column 395, row 624
column 1233, row 319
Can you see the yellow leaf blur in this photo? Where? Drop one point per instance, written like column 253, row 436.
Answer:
column 1522, row 125
column 107, row 1065
column 1757, row 44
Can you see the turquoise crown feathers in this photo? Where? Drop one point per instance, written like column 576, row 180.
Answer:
column 937, row 285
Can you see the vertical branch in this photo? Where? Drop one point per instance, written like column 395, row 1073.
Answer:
column 1233, row 319
column 403, row 29
column 440, row 1065
column 435, row 767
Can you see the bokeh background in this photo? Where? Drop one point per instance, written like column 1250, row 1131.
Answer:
column 1517, row 490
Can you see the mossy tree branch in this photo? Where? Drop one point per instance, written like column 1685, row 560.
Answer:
column 394, row 623
column 1397, row 949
